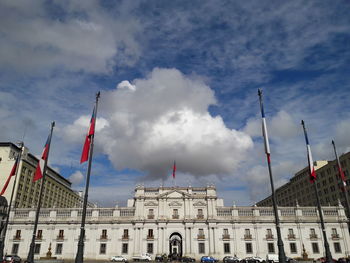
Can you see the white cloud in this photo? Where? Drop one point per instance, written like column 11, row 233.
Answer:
column 162, row 118
column 76, row 178
column 281, row 125
column 34, row 40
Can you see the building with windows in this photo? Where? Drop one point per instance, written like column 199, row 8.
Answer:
column 191, row 221
column 57, row 189
column 300, row 191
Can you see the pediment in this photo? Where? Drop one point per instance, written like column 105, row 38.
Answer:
column 175, row 203
column 174, row 194
column 151, row 203
column 200, row 203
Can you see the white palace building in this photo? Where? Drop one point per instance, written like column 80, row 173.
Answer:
column 190, row 221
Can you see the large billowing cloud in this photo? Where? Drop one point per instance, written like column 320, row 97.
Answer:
column 162, row 118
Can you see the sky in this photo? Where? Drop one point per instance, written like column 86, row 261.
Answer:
column 178, row 81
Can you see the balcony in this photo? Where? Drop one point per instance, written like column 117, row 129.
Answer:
column 103, row 237
column 200, row 216
column 150, row 237
column 269, row 237
column 335, row 236
column 313, row 236
column 227, row 236
column 200, row 236
column 291, row 237
column 248, row 237
column 150, row 217
column 175, row 216
column 17, row 237
column 125, row 237
column 38, row 238
column 60, row 237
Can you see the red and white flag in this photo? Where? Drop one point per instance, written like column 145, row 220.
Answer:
column 174, row 169
column 12, row 173
column 309, row 158
column 91, row 132
column 39, row 172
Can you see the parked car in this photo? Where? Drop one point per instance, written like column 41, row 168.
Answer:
column 12, row 259
column 231, row 259
column 291, row 260
column 254, row 260
column 272, row 258
column 161, row 258
column 142, row 257
column 324, row 260
column 208, row 259
column 187, row 259
column 119, row 259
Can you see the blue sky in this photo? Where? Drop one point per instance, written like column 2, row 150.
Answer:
column 178, row 80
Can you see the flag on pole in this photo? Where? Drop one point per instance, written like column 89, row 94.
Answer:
column 309, row 157
column 174, row 169
column 40, row 168
column 340, row 170
column 91, row 132
column 12, row 173
column 264, row 128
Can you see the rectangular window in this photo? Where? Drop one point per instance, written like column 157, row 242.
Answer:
column 271, row 247
column 334, row 231
column 61, row 233
column 293, row 248
column 124, row 248
column 225, row 232
column 126, row 233
column 15, row 249
column 39, row 234
column 104, row 233
column 37, row 249
column 175, row 213
column 227, row 249
column 103, row 248
column 201, row 248
column 315, row 249
column 150, row 248
column 200, row 232
column 249, row 248
column 18, row 234
column 150, row 233
column 337, row 247
column 59, row 247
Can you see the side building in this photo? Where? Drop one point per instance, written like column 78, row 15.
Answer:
column 188, row 221
column 300, row 191
column 57, row 189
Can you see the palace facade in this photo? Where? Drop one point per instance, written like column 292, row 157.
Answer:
column 190, row 221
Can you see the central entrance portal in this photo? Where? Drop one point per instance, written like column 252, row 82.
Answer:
column 175, row 245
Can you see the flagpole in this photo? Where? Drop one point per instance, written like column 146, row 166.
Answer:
column 3, row 234
column 80, row 253
column 342, row 179
column 30, row 258
column 326, row 245
column 281, row 253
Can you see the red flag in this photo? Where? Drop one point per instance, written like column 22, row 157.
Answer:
column 40, row 168
column 174, row 169
column 91, row 132
column 12, row 173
